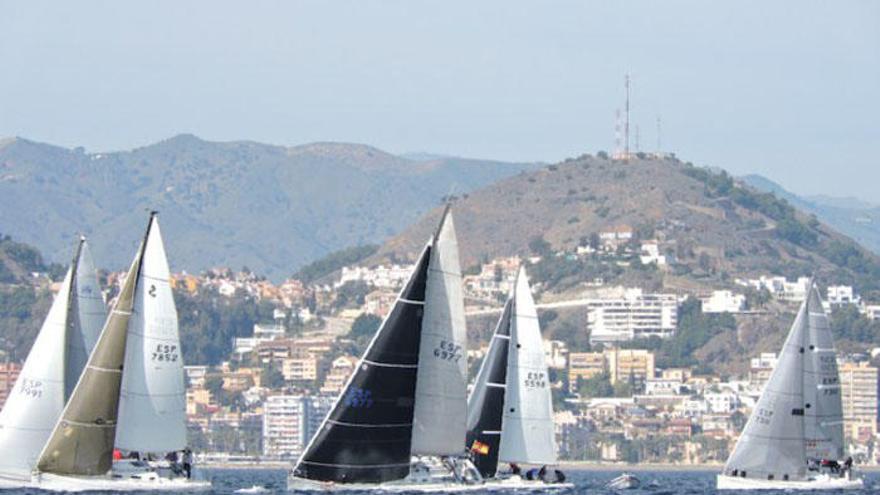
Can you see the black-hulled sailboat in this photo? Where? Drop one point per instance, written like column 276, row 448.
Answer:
column 510, row 410
column 407, row 396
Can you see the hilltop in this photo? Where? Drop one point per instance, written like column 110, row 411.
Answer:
column 310, row 200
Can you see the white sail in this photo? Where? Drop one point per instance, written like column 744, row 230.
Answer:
column 527, row 433
column 772, row 445
column 87, row 314
column 152, row 407
column 823, row 411
column 37, row 399
column 439, row 421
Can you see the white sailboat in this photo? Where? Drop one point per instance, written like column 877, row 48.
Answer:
column 136, row 364
column 510, row 410
column 407, row 396
column 796, row 417
column 51, row 369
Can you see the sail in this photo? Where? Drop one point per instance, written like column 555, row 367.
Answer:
column 486, row 402
column 772, row 444
column 152, row 403
column 366, row 437
column 439, row 424
column 87, row 314
column 37, row 399
column 528, row 435
column 81, row 442
column 823, row 411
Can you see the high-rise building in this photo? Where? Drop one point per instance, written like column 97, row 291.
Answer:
column 583, row 366
column 632, row 315
column 290, row 421
column 858, row 388
column 630, row 365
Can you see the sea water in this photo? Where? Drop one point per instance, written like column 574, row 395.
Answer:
column 228, row 481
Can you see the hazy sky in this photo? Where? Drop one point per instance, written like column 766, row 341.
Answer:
column 786, row 89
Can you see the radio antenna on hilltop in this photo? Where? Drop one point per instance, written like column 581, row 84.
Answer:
column 626, row 124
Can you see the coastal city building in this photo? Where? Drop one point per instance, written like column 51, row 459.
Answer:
column 627, row 314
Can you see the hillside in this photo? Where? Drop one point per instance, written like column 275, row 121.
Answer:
column 310, row 200
column 712, row 228
column 855, row 218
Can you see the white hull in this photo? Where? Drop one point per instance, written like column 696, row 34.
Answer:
column 822, row 482
column 143, row 482
column 435, row 485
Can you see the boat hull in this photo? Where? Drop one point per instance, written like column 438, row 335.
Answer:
column 54, row 482
column 435, row 485
column 820, row 483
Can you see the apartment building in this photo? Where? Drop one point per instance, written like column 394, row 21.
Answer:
column 858, row 388
column 290, row 421
column 631, row 314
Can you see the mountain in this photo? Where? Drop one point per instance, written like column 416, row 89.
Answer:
column 853, row 217
column 271, row 208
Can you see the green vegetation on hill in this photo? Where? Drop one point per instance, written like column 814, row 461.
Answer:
column 334, row 261
column 209, row 322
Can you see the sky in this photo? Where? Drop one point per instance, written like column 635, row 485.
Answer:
column 787, row 89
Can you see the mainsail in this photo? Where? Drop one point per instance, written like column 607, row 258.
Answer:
column 55, row 362
column 486, row 402
column 439, row 423
column 367, row 436
column 152, row 403
column 81, row 442
column 772, row 443
column 823, row 411
column 528, row 435
column 86, row 316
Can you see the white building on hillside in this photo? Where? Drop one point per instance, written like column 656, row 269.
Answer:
column 632, row 315
column 840, row 295
column 723, row 301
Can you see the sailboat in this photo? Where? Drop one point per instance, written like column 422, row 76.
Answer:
column 407, row 397
column 51, row 369
column 798, row 417
column 510, row 410
column 130, row 394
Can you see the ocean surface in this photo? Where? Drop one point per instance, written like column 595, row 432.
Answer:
column 227, row 481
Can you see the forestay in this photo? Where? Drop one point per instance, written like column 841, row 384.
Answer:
column 823, row 412
column 366, row 437
column 152, row 409
column 87, row 315
column 81, row 442
column 37, row 399
column 528, row 434
column 439, row 424
column 772, row 443
column 486, row 402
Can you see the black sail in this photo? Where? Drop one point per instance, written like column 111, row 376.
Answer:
column 486, row 403
column 367, row 436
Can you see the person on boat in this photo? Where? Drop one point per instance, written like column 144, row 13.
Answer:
column 542, row 474
column 560, row 476
column 187, row 462
column 515, row 469
column 847, row 465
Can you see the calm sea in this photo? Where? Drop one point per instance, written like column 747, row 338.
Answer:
column 587, row 482
column 227, row 481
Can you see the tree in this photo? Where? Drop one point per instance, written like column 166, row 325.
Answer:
column 271, row 376
column 596, row 386
column 539, row 246
column 365, row 325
